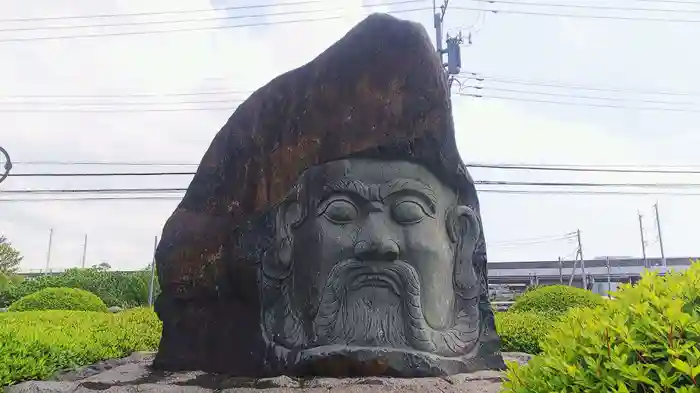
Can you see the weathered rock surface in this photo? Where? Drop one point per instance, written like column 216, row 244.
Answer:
column 133, row 374
column 381, row 84
column 380, row 91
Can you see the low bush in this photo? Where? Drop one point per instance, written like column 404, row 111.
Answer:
column 646, row 340
column 60, row 299
column 556, row 300
column 123, row 289
column 35, row 345
column 522, row 331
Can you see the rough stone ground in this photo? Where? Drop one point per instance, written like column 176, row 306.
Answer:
column 133, row 374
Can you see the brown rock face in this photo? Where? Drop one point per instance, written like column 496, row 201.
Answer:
column 380, row 91
column 380, row 84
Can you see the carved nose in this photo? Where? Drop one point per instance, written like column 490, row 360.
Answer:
column 386, row 250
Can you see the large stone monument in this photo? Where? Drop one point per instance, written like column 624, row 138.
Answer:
column 331, row 228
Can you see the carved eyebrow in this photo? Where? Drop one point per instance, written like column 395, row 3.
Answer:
column 379, row 193
column 356, row 187
column 410, row 186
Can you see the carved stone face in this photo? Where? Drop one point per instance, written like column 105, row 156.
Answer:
column 373, row 254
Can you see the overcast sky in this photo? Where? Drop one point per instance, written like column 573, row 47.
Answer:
column 601, row 53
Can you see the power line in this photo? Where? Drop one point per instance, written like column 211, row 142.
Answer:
column 487, row 88
column 478, row 76
column 117, row 198
column 112, row 163
column 536, row 240
column 588, row 192
column 139, row 110
column 101, row 174
column 581, row 169
column 473, row 75
column 205, row 19
column 189, row 29
column 101, row 106
column 582, row 6
column 593, row 166
column 670, row 1
column 510, row 246
column 577, row 103
column 567, row 235
column 124, row 103
column 72, row 96
column 174, row 12
column 113, row 110
column 582, row 184
column 564, row 15
column 235, row 8
column 160, row 22
column 480, row 190
column 94, row 191
column 477, row 182
column 557, row 168
column 490, row 78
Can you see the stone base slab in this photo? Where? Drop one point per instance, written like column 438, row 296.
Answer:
column 134, row 375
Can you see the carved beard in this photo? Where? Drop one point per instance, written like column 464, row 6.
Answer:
column 365, row 316
column 347, row 313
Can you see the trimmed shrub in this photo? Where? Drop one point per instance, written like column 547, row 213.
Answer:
column 556, row 300
column 35, row 345
column 522, row 331
column 646, row 340
column 60, row 299
column 123, row 289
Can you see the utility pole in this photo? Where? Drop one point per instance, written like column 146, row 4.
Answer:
column 82, row 261
column 437, row 21
column 607, row 264
column 644, row 243
column 661, row 240
column 48, row 252
column 561, row 271
column 153, row 273
column 453, row 65
column 583, row 264
column 573, row 270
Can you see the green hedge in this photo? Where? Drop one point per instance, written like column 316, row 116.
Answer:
column 60, row 299
column 556, row 300
column 35, row 345
column 646, row 340
column 534, row 314
column 121, row 289
column 522, row 331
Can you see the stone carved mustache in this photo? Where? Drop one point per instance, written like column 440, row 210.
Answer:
column 403, row 279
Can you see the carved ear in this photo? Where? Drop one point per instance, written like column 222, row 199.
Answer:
column 288, row 216
column 464, row 229
column 279, row 263
column 463, row 226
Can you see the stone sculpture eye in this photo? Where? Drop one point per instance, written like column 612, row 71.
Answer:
column 340, row 211
column 408, row 212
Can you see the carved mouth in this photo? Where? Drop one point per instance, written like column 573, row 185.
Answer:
column 375, row 279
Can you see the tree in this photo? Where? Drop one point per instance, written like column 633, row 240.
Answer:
column 9, row 257
column 102, row 266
